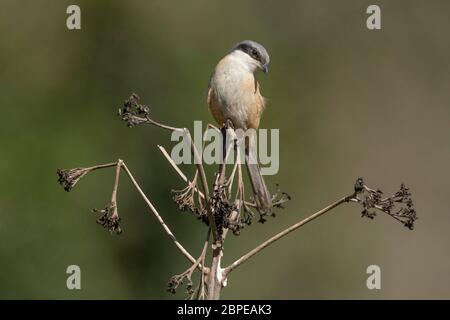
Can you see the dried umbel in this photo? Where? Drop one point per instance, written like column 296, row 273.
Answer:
column 278, row 200
column 225, row 212
column 134, row 113
column 110, row 218
column 68, row 178
column 228, row 213
column 399, row 205
column 185, row 201
column 178, row 280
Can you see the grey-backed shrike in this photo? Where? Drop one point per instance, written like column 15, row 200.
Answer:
column 234, row 95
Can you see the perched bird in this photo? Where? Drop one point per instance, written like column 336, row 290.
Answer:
column 234, row 96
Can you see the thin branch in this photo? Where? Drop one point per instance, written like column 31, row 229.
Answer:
column 177, row 169
column 157, row 215
column 103, row 166
column 220, row 181
column 283, row 233
column 204, row 183
column 228, row 183
column 116, row 182
column 68, row 178
column 109, row 218
column 178, row 279
column 132, row 118
column 134, row 113
column 158, row 124
column 201, row 261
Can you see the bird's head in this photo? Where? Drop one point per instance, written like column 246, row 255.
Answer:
column 253, row 54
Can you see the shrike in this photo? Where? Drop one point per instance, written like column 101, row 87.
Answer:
column 234, row 95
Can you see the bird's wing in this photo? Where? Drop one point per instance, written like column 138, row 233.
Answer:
column 215, row 109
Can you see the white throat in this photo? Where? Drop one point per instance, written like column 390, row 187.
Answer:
column 244, row 60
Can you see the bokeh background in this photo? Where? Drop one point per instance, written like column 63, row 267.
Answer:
column 349, row 102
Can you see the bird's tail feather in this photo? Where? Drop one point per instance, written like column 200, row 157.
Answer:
column 262, row 195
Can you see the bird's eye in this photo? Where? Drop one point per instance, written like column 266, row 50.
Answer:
column 254, row 53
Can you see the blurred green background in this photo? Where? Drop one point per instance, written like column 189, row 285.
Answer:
column 349, row 102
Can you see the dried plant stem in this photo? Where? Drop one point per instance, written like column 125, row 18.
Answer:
column 203, row 180
column 204, row 250
column 204, row 183
column 160, row 125
column 230, row 181
column 158, row 216
column 223, row 212
column 178, row 170
column 201, row 261
column 228, row 184
column 102, row 166
column 116, row 182
column 198, row 162
column 216, row 279
column 220, row 181
column 240, row 192
column 283, row 233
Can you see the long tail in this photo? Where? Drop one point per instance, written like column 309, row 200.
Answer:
column 261, row 193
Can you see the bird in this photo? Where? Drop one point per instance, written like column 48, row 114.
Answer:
column 234, row 95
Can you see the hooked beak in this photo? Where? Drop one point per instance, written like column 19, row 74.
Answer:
column 265, row 68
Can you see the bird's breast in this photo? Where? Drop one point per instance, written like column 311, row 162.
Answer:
column 234, row 94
